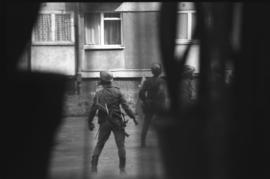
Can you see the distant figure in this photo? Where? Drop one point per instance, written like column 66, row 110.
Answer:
column 186, row 99
column 138, row 106
column 152, row 94
column 107, row 101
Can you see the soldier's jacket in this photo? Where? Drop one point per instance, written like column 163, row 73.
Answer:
column 109, row 97
column 153, row 94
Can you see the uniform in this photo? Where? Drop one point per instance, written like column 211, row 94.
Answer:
column 107, row 101
column 153, row 99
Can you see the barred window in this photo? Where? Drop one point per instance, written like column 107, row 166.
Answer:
column 53, row 27
column 63, row 27
column 43, row 29
column 103, row 29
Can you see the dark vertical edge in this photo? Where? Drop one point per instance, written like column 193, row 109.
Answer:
column 167, row 33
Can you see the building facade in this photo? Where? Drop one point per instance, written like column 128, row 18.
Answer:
column 81, row 39
column 84, row 38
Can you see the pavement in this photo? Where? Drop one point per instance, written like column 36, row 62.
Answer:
column 74, row 145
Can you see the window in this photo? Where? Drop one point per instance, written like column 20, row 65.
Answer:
column 63, row 27
column 185, row 22
column 103, row 29
column 53, row 28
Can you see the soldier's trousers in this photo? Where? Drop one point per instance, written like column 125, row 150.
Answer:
column 146, row 124
column 104, row 133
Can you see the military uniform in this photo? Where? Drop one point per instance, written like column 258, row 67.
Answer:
column 153, row 99
column 107, row 102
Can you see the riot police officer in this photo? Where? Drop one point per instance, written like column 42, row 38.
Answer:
column 107, row 101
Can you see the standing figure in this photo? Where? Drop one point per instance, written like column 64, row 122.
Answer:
column 107, row 101
column 152, row 94
column 138, row 109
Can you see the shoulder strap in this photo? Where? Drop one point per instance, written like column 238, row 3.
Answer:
column 102, row 107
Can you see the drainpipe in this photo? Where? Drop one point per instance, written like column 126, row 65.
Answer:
column 77, row 81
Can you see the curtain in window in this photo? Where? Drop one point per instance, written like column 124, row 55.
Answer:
column 63, row 27
column 112, row 32
column 182, row 31
column 92, row 29
column 42, row 30
column 193, row 23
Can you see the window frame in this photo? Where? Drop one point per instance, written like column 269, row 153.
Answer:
column 102, row 19
column 53, row 29
column 189, row 27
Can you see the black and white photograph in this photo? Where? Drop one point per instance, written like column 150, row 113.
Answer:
column 149, row 90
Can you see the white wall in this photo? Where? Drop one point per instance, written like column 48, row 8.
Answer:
column 54, row 59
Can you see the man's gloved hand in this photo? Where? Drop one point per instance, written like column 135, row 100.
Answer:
column 91, row 126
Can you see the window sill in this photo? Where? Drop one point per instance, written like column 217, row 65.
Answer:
column 184, row 41
column 103, row 47
column 53, row 43
column 118, row 73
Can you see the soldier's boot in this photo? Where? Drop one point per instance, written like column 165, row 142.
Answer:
column 94, row 164
column 122, row 165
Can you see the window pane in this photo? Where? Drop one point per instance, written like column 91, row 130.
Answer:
column 63, row 27
column 182, row 30
column 92, row 29
column 193, row 23
column 112, row 32
column 42, row 31
column 112, row 15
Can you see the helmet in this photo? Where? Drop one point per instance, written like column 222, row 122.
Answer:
column 156, row 69
column 106, row 76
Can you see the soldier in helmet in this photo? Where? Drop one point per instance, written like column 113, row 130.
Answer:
column 152, row 94
column 107, row 102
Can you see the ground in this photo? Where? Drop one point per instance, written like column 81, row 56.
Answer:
column 74, row 146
